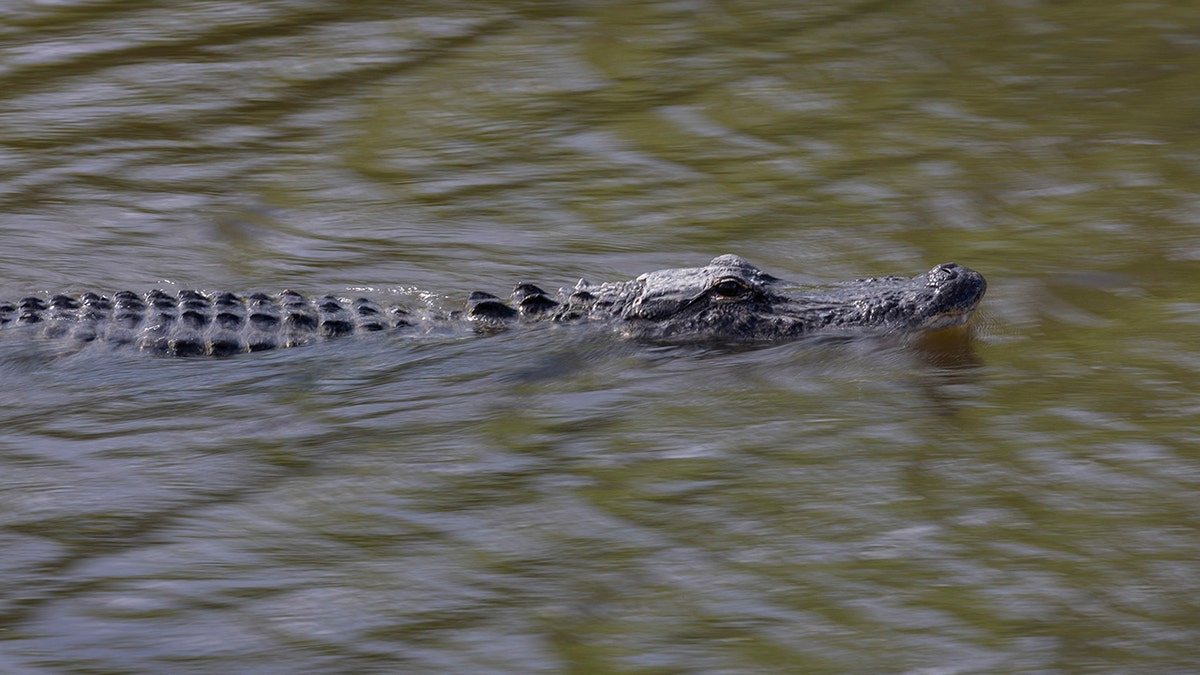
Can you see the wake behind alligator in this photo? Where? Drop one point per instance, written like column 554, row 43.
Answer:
column 728, row 300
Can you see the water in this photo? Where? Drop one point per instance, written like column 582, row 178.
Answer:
column 1016, row 499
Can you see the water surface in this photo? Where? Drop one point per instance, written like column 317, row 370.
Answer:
column 1019, row 498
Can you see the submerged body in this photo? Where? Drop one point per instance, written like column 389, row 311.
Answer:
column 728, row 300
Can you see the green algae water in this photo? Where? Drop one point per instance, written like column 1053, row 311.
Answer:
column 1020, row 497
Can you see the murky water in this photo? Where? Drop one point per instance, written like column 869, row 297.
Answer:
column 1022, row 499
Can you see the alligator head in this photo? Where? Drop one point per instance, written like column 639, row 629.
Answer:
column 732, row 300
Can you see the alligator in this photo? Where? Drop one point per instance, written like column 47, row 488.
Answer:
column 728, row 300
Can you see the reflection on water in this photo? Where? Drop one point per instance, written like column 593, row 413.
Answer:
column 1016, row 497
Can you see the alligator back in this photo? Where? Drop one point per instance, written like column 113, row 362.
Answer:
column 192, row 323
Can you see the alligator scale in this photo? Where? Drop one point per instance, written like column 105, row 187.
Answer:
column 728, row 300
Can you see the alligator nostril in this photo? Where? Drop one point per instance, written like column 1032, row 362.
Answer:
column 940, row 274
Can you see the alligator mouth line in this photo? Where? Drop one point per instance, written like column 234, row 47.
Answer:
column 949, row 319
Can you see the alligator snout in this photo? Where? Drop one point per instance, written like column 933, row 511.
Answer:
column 962, row 279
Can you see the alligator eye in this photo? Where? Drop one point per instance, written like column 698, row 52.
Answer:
column 729, row 288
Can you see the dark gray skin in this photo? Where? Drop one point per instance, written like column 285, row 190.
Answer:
column 729, row 300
